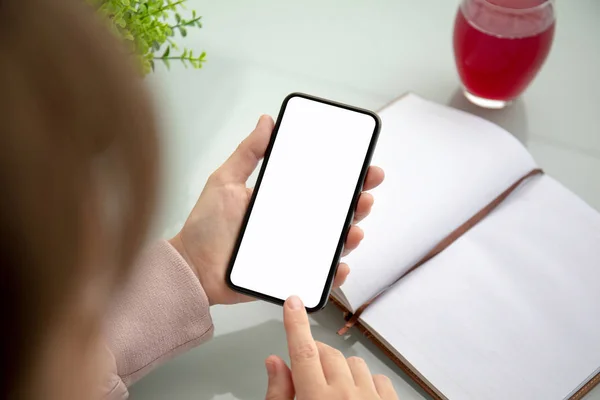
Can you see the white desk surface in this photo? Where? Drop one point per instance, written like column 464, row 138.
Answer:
column 363, row 53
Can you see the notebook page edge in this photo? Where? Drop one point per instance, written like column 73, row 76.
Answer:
column 586, row 386
column 338, row 294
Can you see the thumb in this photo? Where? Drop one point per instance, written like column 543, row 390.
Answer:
column 281, row 386
column 240, row 165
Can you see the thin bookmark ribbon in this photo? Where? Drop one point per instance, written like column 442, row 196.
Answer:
column 441, row 246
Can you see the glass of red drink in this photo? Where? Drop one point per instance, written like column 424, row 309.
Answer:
column 500, row 45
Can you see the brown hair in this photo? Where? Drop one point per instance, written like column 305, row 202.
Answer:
column 75, row 124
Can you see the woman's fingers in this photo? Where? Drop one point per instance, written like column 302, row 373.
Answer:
column 317, row 370
column 334, row 365
column 384, row 387
column 363, row 208
column 341, row 275
column 304, row 355
column 361, row 373
column 375, row 177
column 244, row 160
column 280, row 386
column 355, row 235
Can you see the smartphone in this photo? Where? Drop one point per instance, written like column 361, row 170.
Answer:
column 304, row 200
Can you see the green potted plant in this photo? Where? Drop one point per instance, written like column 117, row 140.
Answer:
column 151, row 28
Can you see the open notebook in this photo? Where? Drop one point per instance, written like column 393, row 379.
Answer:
column 508, row 311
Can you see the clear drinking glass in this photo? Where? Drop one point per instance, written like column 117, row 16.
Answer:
column 500, row 45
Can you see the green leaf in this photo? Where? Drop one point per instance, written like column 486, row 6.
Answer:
column 145, row 26
column 173, row 44
column 167, row 63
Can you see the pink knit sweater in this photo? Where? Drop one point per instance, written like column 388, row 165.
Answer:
column 161, row 313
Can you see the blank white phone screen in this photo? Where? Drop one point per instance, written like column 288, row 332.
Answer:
column 301, row 206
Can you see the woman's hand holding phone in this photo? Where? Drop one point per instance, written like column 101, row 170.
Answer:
column 208, row 237
column 317, row 370
column 206, row 242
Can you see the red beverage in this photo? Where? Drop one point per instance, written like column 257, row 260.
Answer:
column 500, row 45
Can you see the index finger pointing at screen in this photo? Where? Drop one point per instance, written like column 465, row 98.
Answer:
column 306, row 366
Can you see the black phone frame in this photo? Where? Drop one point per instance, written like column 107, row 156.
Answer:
column 349, row 216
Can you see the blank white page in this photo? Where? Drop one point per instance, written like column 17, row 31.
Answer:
column 509, row 311
column 442, row 166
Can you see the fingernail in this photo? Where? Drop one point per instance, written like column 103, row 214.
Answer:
column 259, row 120
column 271, row 368
column 295, row 303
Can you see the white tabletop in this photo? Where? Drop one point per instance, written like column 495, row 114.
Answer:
column 363, row 53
